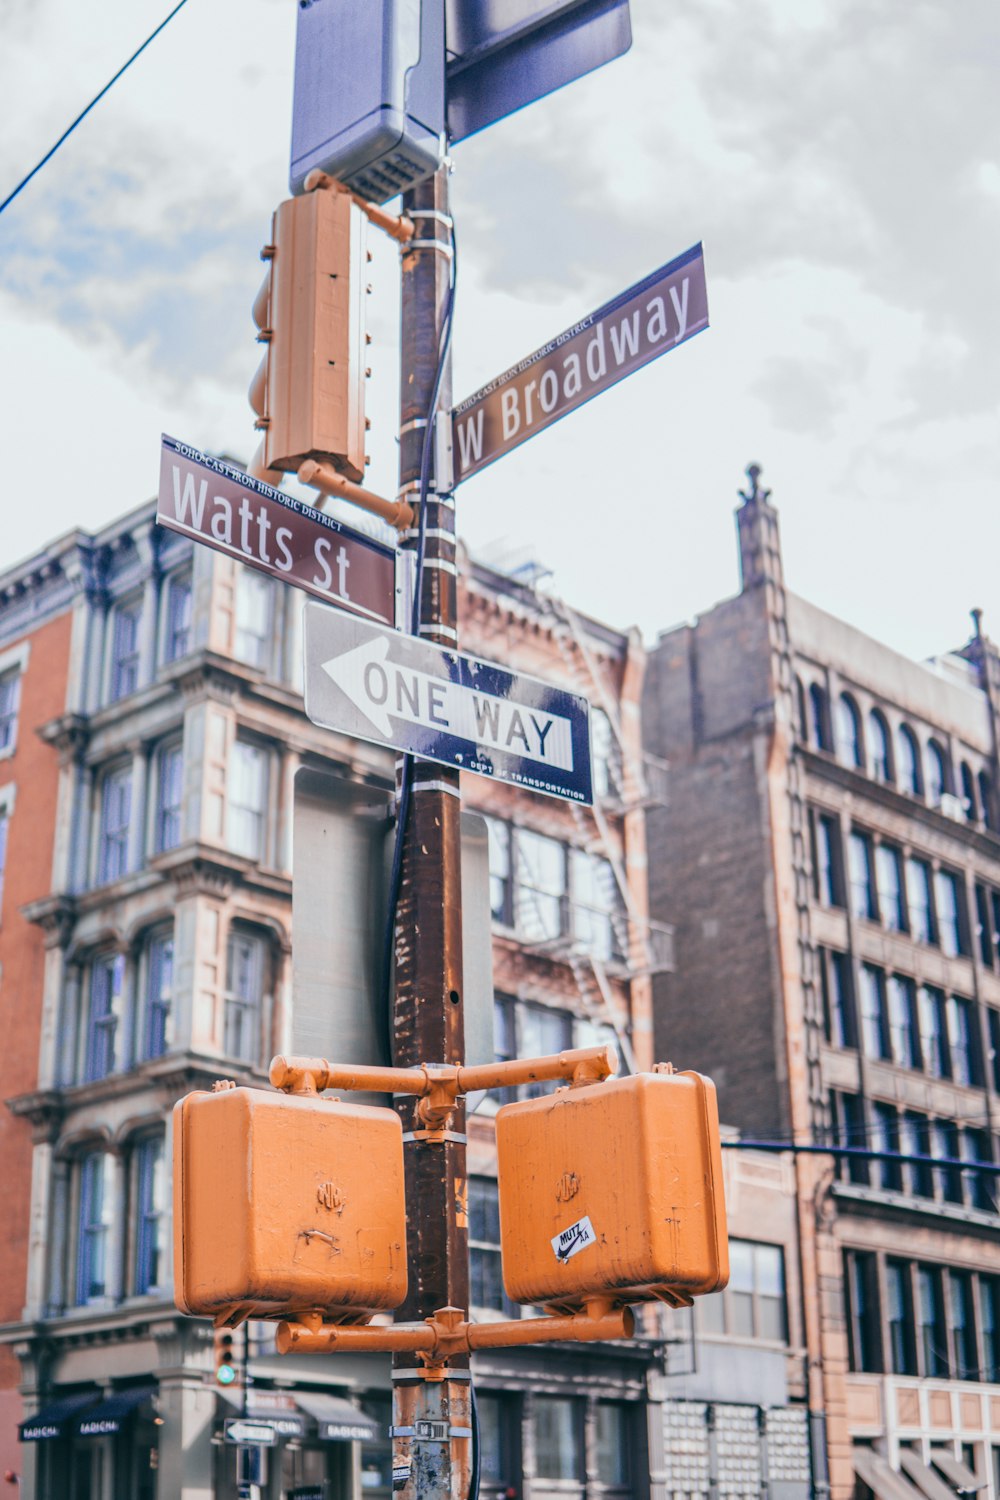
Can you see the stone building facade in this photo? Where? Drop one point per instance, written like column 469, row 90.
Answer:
column 831, row 863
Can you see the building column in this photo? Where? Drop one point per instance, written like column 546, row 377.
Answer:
column 118, row 1237
column 38, row 1230
column 187, row 1406
column 286, row 811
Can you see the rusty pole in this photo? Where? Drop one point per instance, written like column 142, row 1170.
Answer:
column 431, row 1418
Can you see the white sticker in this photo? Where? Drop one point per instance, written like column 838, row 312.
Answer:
column 574, row 1239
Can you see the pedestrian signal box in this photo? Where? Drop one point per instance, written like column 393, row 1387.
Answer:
column 287, row 1204
column 613, row 1188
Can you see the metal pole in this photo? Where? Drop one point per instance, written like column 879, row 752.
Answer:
column 431, row 1418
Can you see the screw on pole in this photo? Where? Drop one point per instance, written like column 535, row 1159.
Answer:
column 427, row 1015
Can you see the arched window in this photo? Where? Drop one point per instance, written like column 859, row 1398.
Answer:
column 848, row 732
column 985, row 793
column 969, row 792
column 908, row 760
column 879, row 751
column 819, row 733
column 935, row 772
column 802, row 726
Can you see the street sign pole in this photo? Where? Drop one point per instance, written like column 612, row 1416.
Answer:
column 432, row 1418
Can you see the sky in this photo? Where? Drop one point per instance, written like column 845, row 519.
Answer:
column 839, row 160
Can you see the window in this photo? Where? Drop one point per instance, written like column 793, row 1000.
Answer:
column 902, row 1352
column 994, row 1024
column 969, row 793
column 254, row 616
column 159, row 977
column 947, row 902
column 985, row 798
column 169, row 791
column 989, row 1324
column 962, row 1041
column 889, row 873
column 819, row 734
column 501, row 884
column 247, row 799
column 542, row 1032
column 485, row 1281
column 10, row 702
column 848, row 732
column 753, row 1304
column 935, row 772
column 116, row 817
column 93, row 1227
column 826, row 861
column 874, row 1028
column 978, row 1187
column 541, row 886
column 859, row 855
column 499, row 1463
column 244, row 996
column 558, row 1438
column 177, row 635
column 604, row 746
column 848, row 1129
column 914, row 1141
column 908, row 761
column 944, row 1148
column 107, row 977
column 860, row 1276
column 838, row 1007
column 611, row 1440
column 932, row 1334
column 984, row 928
column 885, row 1137
column 598, row 919
column 933, row 1033
column 918, row 895
column 124, row 650
column 903, row 1022
column 151, row 1203
column 879, row 752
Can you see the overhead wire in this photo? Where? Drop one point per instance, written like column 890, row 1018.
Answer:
column 85, row 112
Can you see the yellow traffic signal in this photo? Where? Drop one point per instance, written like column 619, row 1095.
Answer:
column 286, row 1204
column 613, row 1187
column 309, row 391
column 225, row 1358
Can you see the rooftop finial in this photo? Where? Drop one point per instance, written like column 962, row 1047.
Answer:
column 977, row 623
column 753, row 493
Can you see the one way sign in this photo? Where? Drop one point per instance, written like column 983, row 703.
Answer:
column 375, row 684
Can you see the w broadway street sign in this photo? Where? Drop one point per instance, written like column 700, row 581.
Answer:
column 376, row 684
column 215, row 502
column 657, row 314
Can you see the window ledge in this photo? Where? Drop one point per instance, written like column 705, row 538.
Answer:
column 955, row 1213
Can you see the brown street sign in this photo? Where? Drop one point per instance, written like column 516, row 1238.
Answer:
column 217, row 503
column 666, row 309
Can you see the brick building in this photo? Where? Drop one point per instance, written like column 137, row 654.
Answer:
column 830, row 860
column 146, row 941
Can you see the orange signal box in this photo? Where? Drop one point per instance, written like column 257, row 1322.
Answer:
column 287, row 1204
column 613, row 1188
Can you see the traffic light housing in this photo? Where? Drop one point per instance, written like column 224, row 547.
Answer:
column 613, row 1188
column 287, row 1204
column 225, row 1358
column 309, row 391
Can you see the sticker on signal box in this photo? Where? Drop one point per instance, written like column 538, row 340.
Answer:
column 574, row 1239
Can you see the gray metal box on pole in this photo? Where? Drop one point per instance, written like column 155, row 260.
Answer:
column 369, row 105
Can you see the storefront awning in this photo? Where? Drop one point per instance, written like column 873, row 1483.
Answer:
column 959, row 1474
column 929, row 1483
column 338, row 1420
column 110, row 1415
column 56, row 1419
column 881, row 1478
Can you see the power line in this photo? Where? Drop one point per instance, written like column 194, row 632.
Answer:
column 83, row 113
column 864, row 1153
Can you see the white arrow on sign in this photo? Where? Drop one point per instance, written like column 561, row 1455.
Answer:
column 239, row 1430
column 382, row 689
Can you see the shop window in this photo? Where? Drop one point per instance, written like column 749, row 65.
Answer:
column 150, row 1218
column 244, row 995
column 558, row 1425
column 116, row 818
column 177, row 626
column 169, row 792
column 125, row 629
column 848, row 732
column 247, row 799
